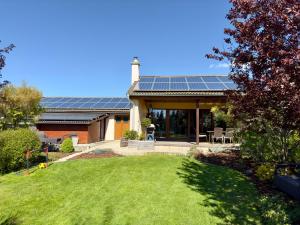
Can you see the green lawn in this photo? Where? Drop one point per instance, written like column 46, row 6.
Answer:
column 129, row 190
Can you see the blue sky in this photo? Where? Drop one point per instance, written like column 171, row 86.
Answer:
column 84, row 48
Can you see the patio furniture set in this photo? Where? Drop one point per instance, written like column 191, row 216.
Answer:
column 218, row 134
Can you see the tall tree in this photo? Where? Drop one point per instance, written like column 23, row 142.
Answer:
column 19, row 106
column 263, row 48
column 4, row 51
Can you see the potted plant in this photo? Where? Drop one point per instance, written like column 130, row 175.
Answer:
column 129, row 135
column 146, row 122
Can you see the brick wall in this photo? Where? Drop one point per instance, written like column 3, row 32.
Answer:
column 64, row 130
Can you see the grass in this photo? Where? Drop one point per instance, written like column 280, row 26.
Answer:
column 153, row 189
column 53, row 156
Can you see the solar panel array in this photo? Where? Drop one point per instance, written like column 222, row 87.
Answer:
column 85, row 103
column 184, row 83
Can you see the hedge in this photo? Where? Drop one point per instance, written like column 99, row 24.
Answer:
column 13, row 143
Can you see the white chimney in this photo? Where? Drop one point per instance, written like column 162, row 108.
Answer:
column 135, row 70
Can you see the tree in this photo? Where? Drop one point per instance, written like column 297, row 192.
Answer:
column 263, row 48
column 3, row 51
column 19, row 106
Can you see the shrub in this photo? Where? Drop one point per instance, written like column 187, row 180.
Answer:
column 131, row 135
column 274, row 211
column 142, row 137
column 146, row 122
column 265, row 172
column 294, row 142
column 67, row 145
column 13, row 144
column 260, row 147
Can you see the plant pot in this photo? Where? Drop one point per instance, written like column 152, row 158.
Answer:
column 123, row 142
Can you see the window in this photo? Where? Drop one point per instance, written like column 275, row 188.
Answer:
column 118, row 119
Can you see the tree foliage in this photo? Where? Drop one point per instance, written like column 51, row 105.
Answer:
column 19, row 106
column 263, row 48
column 223, row 115
column 4, row 51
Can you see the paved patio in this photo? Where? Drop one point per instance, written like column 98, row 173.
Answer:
column 161, row 147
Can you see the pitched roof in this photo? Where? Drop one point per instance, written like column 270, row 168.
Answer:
column 202, row 85
column 85, row 103
column 69, row 118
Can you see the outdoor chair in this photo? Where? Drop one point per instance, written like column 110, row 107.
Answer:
column 229, row 135
column 218, row 134
column 203, row 136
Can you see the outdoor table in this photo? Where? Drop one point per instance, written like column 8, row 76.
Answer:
column 210, row 132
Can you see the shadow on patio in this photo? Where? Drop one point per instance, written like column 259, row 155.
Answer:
column 226, row 191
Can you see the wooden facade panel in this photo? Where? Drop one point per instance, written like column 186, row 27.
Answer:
column 121, row 125
column 65, row 130
column 94, row 132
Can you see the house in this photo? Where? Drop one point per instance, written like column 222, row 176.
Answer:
column 179, row 107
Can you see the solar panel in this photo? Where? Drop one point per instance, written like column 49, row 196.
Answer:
column 109, row 105
column 196, row 79
column 145, row 86
column 178, row 86
column 147, row 79
column 85, row 103
column 230, row 86
column 162, row 79
column 83, row 100
column 161, row 86
column 66, row 105
column 224, row 79
column 197, row 86
column 210, row 79
column 121, row 105
column 185, row 83
column 216, row 86
column 177, row 79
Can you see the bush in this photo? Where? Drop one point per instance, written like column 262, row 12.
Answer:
column 13, row 144
column 294, row 142
column 131, row 135
column 67, row 146
column 142, row 137
column 265, row 172
column 146, row 122
column 274, row 211
column 260, row 147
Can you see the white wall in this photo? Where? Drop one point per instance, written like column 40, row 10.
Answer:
column 110, row 128
column 138, row 111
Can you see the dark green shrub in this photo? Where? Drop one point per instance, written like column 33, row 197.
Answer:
column 13, row 143
column 294, row 142
column 274, row 210
column 131, row 135
column 67, row 145
column 260, row 147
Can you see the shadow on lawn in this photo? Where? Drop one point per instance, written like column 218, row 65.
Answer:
column 231, row 198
